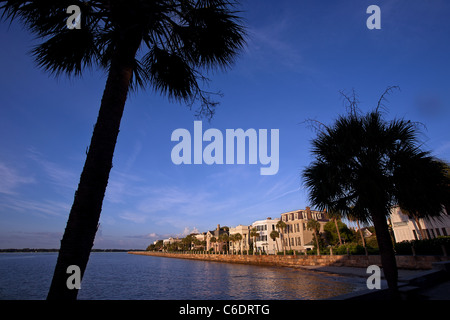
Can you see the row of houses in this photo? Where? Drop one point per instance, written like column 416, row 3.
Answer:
column 296, row 235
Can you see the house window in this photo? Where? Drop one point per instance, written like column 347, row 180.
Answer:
column 444, row 231
column 415, row 234
column 438, row 232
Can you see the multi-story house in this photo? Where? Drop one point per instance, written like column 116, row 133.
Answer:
column 244, row 243
column 169, row 241
column 409, row 229
column 217, row 245
column 264, row 242
column 296, row 235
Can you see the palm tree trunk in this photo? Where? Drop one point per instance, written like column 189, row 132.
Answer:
column 84, row 216
column 276, row 242
column 317, row 242
column 338, row 232
column 387, row 254
column 422, row 233
column 282, row 242
column 362, row 236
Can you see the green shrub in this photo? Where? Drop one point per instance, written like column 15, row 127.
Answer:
column 354, row 249
column 424, row 247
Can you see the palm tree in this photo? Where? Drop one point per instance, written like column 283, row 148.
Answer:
column 281, row 226
column 427, row 172
column 238, row 238
column 177, row 41
column 254, row 233
column 335, row 216
column 232, row 239
column 365, row 165
column 314, row 226
column 274, row 235
column 354, row 218
column 224, row 238
column 214, row 241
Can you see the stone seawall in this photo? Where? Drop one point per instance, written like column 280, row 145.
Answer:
column 403, row 262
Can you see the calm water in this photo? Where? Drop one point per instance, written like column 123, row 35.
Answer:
column 121, row 276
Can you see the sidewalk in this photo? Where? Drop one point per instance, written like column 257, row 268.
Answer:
column 413, row 284
column 438, row 292
column 403, row 274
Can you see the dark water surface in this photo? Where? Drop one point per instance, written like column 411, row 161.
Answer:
column 122, row 276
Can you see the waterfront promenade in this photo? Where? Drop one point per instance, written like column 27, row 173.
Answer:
column 358, row 261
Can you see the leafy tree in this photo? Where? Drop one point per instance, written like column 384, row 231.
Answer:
column 365, row 165
column 153, row 247
column 187, row 242
column 177, row 41
column 345, row 233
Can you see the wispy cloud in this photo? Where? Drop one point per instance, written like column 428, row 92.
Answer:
column 58, row 175
column 10, row 179
column 121, row 186
column 19, row 239
column 443, row 149
column 268, row 44
column 45, row 208
column 134, row 217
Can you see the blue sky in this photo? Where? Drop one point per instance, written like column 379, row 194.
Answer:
column 300, row 54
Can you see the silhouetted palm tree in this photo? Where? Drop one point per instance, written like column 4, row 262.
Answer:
column 161, row 44
column 422, row 201
column 365, row 165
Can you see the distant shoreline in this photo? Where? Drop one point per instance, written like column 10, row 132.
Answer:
column 57, row 250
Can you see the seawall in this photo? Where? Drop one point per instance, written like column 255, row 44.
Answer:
column 361, row 261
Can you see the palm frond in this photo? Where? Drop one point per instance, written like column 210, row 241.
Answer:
column 68, row 52
column 365, row 163
column 183, row 39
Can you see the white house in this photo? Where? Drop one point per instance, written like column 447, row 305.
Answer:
column 264, row 242
column 407, row 229
column 244, row 243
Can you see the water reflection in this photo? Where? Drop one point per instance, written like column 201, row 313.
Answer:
column 123, row 276
column 211, row 280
